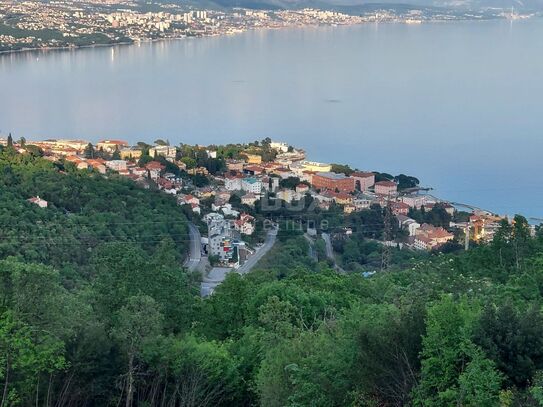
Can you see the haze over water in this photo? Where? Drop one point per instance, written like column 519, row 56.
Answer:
column 456, row 104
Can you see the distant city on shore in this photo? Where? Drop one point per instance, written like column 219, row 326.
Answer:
column 34, row 24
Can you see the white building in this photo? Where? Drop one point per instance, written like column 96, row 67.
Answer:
column 279, row 146
column 116, row 165
column 233, row 183
column 252, row 185
column 167, row 152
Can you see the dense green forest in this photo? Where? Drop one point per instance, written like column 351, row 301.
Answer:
column 96, row 310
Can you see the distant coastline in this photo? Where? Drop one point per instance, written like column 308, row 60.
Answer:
column 240, row 31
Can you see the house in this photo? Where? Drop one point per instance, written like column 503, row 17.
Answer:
column 386, row 188
column 228, row 211
column 362, row 202
column 234, row 165
column 253, row 170
column 350, row 208
column 249, row 199
column 140, row 172
column 364, row 180
column 97, row 164
column 223, row 195
column 36, row 200
column 116, row 165
column 285, row 194
column 416, row 201
column 279, row 146
column 233, row 182
column 245, row 224
column 155, row 169
column 191, row 200
column 80, row 163
column 253, row 185
column 253, row 158
column 333, row 181
column 406, row 223
column 399, row 208
column 283, row 172
column 428, row 237
column 130, row 153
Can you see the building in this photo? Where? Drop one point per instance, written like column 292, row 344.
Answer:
column 167, row 152
column 220, row 236
column 111, row 145
column 249, row 199
column 252, row 185
column 279, row 146
column 399, row 208
column 312, row 166
column 97, row 164
column 116, row 165
column 428, row 237
column 416, row 201
column 302, row 188
column 341, row 198
column 362, row 202
column 406, row 223
column 233, row 182
column 130, row 153
column 245, row 224
column 234, row 165
column 80, row 163
column 253, row 158
column 36, row 200
column 155, row 169
column 386, row 188
column 364, row 180
column 333, row 181
column 253, row 170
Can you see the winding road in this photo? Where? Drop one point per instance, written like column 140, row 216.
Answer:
column 194, row 261
column 217, row 274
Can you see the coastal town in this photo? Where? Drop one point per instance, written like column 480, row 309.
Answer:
column 224, row 189
column 31, row 24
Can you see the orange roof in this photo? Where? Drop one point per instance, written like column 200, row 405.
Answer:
column 154, row 165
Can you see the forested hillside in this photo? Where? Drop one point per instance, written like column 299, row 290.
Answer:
column 97, row 311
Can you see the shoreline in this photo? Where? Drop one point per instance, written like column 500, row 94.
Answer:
column 241, row 31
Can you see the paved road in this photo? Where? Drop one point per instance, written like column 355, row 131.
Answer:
column 330, row 252
column 312, row 250
column 260, row 252
column 218, row 274
column 195, row 255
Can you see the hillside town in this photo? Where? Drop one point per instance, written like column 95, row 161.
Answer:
column 31, row 24
column 219, row 193
column 38, row 25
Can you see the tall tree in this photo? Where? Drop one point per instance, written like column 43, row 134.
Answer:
column 138, row 321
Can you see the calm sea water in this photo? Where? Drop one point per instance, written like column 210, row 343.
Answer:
column 458, row 104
